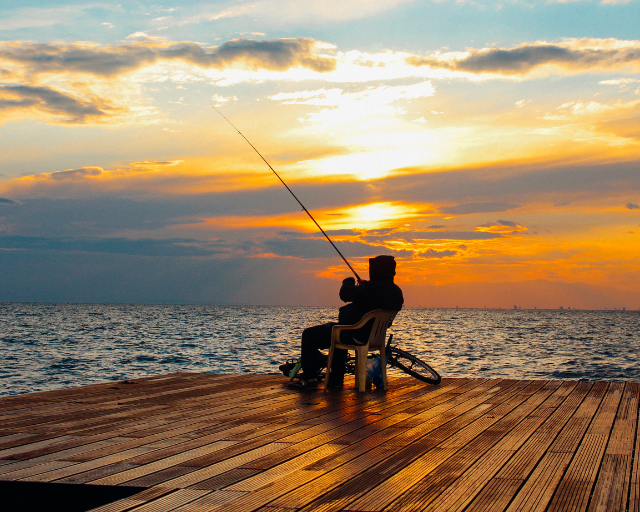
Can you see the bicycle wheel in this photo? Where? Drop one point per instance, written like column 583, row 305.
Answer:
column 413, row 366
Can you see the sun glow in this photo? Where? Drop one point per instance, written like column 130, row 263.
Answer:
column 369, row 166
column 361, row 217
column 370, row 216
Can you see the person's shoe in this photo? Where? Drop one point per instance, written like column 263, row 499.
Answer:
column 303, row 383
column 287, row 367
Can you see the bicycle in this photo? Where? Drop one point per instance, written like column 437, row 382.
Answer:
column 396, row 358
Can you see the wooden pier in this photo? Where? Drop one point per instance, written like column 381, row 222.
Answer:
column 203, row 442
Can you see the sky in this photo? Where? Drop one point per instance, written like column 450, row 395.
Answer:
column 492, row 147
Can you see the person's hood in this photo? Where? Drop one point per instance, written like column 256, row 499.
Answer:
column 382, row 268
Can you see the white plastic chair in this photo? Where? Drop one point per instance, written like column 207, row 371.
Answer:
column 383, row 319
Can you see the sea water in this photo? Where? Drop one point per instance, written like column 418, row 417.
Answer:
column 53, row 346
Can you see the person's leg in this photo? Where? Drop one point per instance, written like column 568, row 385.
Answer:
column 336, row 376
column 314, row 338
column 319, row 337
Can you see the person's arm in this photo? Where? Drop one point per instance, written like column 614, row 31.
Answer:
column 350, row 290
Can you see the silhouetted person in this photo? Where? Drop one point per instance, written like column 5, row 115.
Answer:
column 380, row 292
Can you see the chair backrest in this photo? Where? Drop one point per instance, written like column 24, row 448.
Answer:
column 383, row 319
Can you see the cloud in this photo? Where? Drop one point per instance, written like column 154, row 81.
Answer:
column 221, row 100
column 64, row 107
column 419, row 236
column 310, row 248
column 73, row 174
column 469, row 208
column 523, row 184
column 633, row 206
column 276, row 54
column 140, row 246
column 89, row 180
column 382, row 94
column 432, row 253
column 359, row 104
column 4, row 200
column 572, row 55
column 501, row 226
column 619, row 81
column 75, row 82
column 592, row 108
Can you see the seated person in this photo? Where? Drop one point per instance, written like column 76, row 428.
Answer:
column 380, row 292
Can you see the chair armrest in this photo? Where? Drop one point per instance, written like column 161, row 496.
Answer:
column 368, row 316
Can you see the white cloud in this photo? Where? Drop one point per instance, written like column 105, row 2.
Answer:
column 356, row 105
column 381, row 95
column 580, row 108
column 221, row 100
column 137, row 35
column 619, row 81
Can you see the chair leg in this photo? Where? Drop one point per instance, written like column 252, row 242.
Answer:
column 383, row 366
column 329, row 359
column 361, row 372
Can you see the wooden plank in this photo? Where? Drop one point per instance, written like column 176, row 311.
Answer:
column 93, row 474
column 539, row 489
column 193, row 477
column 226, row 479
column 172, row 500
column 455, row 438
column 375, row 464
column 316, row 434
column 207, row 442
column 453, row 484
column 496, row 495
column 79, row 467
column 634, row 491
column 178, row 446
column 574, row 489
column 36, row 470
column 131, row 502
column 285, row 469
column 330, row 432
column 612, row 487
column 117, row 406
column 55, row 456
column 513, row 474
column 212, row 501
column 10, row 452
column 49, row 448
column 251, row 501
column 203, row 473
column 463, row 485
column 345, row 472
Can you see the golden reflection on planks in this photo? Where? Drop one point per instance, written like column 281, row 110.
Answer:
column 204, row 442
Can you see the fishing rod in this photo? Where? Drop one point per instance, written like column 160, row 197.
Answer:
column 291, row 192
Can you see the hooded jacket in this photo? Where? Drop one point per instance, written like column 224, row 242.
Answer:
column 365, row 297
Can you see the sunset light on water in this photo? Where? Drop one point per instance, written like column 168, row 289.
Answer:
column 494, row 150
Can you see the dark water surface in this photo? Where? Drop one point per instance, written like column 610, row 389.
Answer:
column 53, row 346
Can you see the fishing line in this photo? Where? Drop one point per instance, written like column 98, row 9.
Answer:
column 291, row 192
